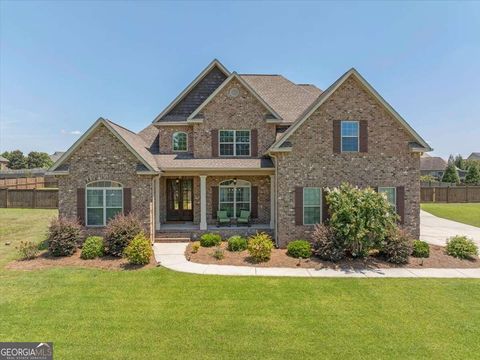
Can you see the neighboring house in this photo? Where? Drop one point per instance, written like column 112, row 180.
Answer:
column 56, row 155
column 3, row 163
column 474, row 156
column 234, row 142
column 435, row 166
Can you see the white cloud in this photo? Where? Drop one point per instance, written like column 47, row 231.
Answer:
column 72, row 132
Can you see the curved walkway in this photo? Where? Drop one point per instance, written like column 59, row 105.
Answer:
column 172, row 256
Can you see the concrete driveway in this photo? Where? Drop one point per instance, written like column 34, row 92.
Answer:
column 435, row 230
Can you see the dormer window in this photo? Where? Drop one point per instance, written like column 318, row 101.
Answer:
column 234, row 142
column 180, row 141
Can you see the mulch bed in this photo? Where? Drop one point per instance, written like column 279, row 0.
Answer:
column 45, row 261
column 279, row 258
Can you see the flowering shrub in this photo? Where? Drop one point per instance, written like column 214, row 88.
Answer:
column 63, row 237
column 260, row 247
column 326, row 245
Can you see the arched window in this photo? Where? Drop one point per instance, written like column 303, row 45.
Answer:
column 104, row 200
column 180, row 141
column 234, row 196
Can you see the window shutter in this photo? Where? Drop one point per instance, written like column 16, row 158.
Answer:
column 214, row 201
column 401, row 203
column 127, row 201
column 254, row 200
column 298, row 205
column 325, row 214
column 81, row 206
column 254, row 142
column 363, row 136
column 336, row 136
column 214, row 133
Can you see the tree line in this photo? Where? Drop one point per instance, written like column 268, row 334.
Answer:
column 34, row 159
column 471, row 166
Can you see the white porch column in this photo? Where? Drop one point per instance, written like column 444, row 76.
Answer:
column 157, row 202
column 203, row 202
column 272, row 201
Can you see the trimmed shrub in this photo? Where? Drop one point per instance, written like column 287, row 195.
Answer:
column 299, row 249
column 120, row 231
column 210, row 239
column 397, row 247
column 28, row 250
column 139, row 251
column 420, row 249
column 195, row 247
column 461, row 247
column 237, row 243
column 362, row 218
column 92, row 247
column 326, row 245
column 260, row 247
column 63, row 236
column 218, row 253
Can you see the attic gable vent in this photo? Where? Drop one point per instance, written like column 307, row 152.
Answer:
column 233, row 92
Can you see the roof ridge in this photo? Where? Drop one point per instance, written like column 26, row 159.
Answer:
column 120, row 126
column 261, row 75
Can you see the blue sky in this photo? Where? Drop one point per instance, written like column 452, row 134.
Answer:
column 64, row 64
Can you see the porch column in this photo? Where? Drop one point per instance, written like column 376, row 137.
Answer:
column 272, row 201
column 203, row 202
column 157, row 202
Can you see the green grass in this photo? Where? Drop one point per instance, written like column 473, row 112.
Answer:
column 464, row 213
column 157, row 313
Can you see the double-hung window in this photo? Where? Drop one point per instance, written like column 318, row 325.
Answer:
column 312, row 205
column 391, row 194
column 234, row 142
column 350, row 136
column 234, row 196
column 104, row 200
column 180, row 141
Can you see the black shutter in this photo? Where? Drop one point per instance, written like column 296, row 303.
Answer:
column 336, row 136
column 298, row 205
column 81, row 206
column 214, row 133
column 401, row 203
column 254, row 209
column 214, row 201
column 127, row 201
column 363, row 136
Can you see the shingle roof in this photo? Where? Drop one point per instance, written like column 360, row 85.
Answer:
column 289, row 100
column 474, row 156
column 174, row 161
column 3, row 160
column 56, row 155
column 432, row 163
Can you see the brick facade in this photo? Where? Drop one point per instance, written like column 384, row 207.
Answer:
column 166, row 139
column 312, row 162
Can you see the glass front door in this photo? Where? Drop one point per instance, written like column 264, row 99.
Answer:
column 180, row 199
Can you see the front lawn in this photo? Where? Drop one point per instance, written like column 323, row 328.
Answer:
column 157, row 313
column 464, row 213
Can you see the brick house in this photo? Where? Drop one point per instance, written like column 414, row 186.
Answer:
column 233, row 142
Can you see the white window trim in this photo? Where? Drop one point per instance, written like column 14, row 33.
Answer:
column 304, row 206
column 173, row 141
column 104, row 207
column 395, row 200
column 358, row 136
column 247, row 184
column 235, row 143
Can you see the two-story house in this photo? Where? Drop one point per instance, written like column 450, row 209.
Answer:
column 232, row 142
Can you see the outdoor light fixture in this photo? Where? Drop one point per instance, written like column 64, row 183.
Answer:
column 177, row 180
column 234, row 181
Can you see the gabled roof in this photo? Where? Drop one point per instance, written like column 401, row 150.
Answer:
column 432, row 163
column 198, row 98
column 277, row 146
column 3, row 160
column 232, row 76
column 474, row 156
column 288, row 99
column 132, row 141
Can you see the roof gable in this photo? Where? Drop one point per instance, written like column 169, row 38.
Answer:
column 194, row 94
column 279, row 145
column 132, row 142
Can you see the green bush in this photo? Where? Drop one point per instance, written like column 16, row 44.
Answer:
column 119, row 232
column 362, row 218
column 218, row 253
column 139, row 251
column 397, row 247
column 299, row 249
column 28, row 250
column 260, row 247
column 461, row 247
column 92, row 247
column 237, row 243
column 63, row 237
column 420, row 249
column 210, row 239
column 326, row 245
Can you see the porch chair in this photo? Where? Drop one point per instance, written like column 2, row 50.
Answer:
column 244, row 218
column 222, row 218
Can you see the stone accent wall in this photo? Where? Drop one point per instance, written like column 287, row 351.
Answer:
column 241, row 112
column 166, row 138
column 313, row 163
column 103, row 157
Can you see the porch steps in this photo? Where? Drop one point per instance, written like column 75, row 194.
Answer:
column 173, row 236
column 171, row 240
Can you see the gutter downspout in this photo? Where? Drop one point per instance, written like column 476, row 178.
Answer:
column 275, row 228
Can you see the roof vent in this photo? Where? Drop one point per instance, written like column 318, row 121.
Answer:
column 233, row 92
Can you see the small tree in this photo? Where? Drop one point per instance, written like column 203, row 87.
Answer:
column 36, row 159
column 460, row 162
column 473, row 175
column 451, row 174
column 16, row 160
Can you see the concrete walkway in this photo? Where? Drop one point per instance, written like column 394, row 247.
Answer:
column 435, row 230
column 172, row 256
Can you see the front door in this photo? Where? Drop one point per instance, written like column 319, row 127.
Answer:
column 180, row 199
